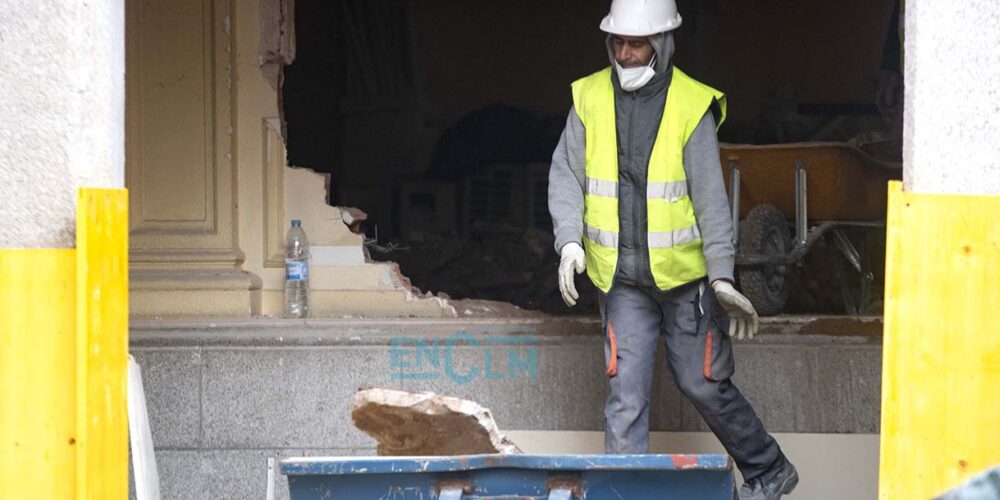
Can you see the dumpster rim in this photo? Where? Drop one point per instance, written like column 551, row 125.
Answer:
column 309, row 466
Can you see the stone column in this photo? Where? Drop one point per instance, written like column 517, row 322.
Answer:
column 952, row 74
column 63, row 105
column 941, row 350
column 63, row 250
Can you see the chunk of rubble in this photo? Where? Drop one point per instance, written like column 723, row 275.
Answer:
column 353, row 217
column 426, row 424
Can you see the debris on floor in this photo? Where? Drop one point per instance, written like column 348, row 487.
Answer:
column 426, row 424
column 498, row 263
column 517, row 266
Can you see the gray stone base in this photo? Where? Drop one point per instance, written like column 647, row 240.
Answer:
column 225, row 396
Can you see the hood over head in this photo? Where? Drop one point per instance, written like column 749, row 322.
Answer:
column 663, row 45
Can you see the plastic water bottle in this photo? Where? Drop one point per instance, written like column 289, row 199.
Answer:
column 296, row 272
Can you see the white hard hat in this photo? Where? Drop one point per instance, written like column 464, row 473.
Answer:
column 641, row 17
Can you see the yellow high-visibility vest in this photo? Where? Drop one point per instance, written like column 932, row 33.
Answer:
column 675, row 250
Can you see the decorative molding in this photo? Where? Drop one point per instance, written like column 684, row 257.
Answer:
column 181, row 256
column 179, row 134
column 274, row 193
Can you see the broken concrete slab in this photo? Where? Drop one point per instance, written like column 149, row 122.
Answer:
column 353, row 217
column 426, row 424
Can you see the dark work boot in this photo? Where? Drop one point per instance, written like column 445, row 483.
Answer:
column 771, row 485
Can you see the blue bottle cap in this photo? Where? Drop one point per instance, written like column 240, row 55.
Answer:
column 296, row 223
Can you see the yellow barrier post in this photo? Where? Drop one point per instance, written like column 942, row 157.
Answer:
column 941, row 350
column 102, row 326
column 38, row 439
column 63, row 360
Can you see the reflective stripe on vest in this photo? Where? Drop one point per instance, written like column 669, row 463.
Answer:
column 668, row 239
column 607, row 239
column 666, row 191
column 674, row 240
column 597, row 187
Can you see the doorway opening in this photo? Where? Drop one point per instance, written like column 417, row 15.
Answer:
column 439, row 119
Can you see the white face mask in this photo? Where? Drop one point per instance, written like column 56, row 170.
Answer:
column 633, row 79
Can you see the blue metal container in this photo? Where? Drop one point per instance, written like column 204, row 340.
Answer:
column 562, row 477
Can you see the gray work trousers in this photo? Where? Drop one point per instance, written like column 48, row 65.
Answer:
column 700, row 357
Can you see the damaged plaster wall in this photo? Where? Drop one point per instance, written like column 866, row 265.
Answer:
column 277, row 45
column 270, row 194
column 343, row 281
column 305, row 200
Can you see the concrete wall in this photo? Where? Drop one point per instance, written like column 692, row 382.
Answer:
column 223, row 397
column 62, row 74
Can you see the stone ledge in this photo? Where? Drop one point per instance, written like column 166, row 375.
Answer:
column 336, row 304
column 270, row 332
column 193, row 279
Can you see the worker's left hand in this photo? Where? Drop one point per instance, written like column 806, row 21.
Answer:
column 743, row 320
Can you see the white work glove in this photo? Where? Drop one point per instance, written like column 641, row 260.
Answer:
column 572, row 262
column 743, row 320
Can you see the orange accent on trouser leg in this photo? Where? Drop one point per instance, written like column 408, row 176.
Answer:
column 708, row 355
column 613, row 359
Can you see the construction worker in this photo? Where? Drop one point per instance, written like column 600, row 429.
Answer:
column 637, row 200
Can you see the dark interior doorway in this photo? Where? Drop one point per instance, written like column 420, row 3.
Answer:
column 439, row 118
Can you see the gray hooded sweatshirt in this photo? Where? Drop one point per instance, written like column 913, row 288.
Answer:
column 638, row 115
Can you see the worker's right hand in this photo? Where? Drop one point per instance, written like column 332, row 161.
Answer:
column 743, row 320
column 572, row 262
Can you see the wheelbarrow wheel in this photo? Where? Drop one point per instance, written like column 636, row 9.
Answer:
column 765, row 231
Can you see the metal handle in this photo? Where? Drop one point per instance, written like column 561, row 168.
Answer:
column 451, row 493
column 554, row 494
column 561, row 494
column 801, row 204
column 453, row 489
column 734, row 202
